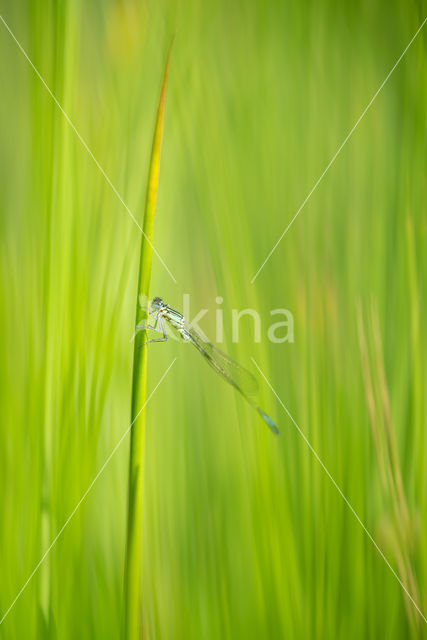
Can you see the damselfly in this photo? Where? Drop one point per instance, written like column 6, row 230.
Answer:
column 230, row 371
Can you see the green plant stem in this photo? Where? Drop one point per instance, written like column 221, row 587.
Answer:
column 139, row 385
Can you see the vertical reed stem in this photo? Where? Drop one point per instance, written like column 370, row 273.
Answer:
column 139, row 384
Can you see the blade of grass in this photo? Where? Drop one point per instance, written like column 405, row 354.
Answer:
column 398, row 526
column 139, row 383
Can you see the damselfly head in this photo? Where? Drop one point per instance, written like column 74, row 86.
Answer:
column 157, row 304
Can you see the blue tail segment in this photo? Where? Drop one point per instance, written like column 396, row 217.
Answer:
column 269, row 422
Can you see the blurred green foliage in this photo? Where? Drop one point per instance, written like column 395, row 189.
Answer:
column 245, row 536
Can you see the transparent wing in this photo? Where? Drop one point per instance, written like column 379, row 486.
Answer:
column 235, row 374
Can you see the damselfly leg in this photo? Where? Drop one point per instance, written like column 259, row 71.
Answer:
column 158, row 326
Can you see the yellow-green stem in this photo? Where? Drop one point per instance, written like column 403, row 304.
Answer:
column 139, row 384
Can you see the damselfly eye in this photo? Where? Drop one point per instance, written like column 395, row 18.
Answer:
column 156, row 303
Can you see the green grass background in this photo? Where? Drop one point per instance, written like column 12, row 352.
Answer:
column 244, row 534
